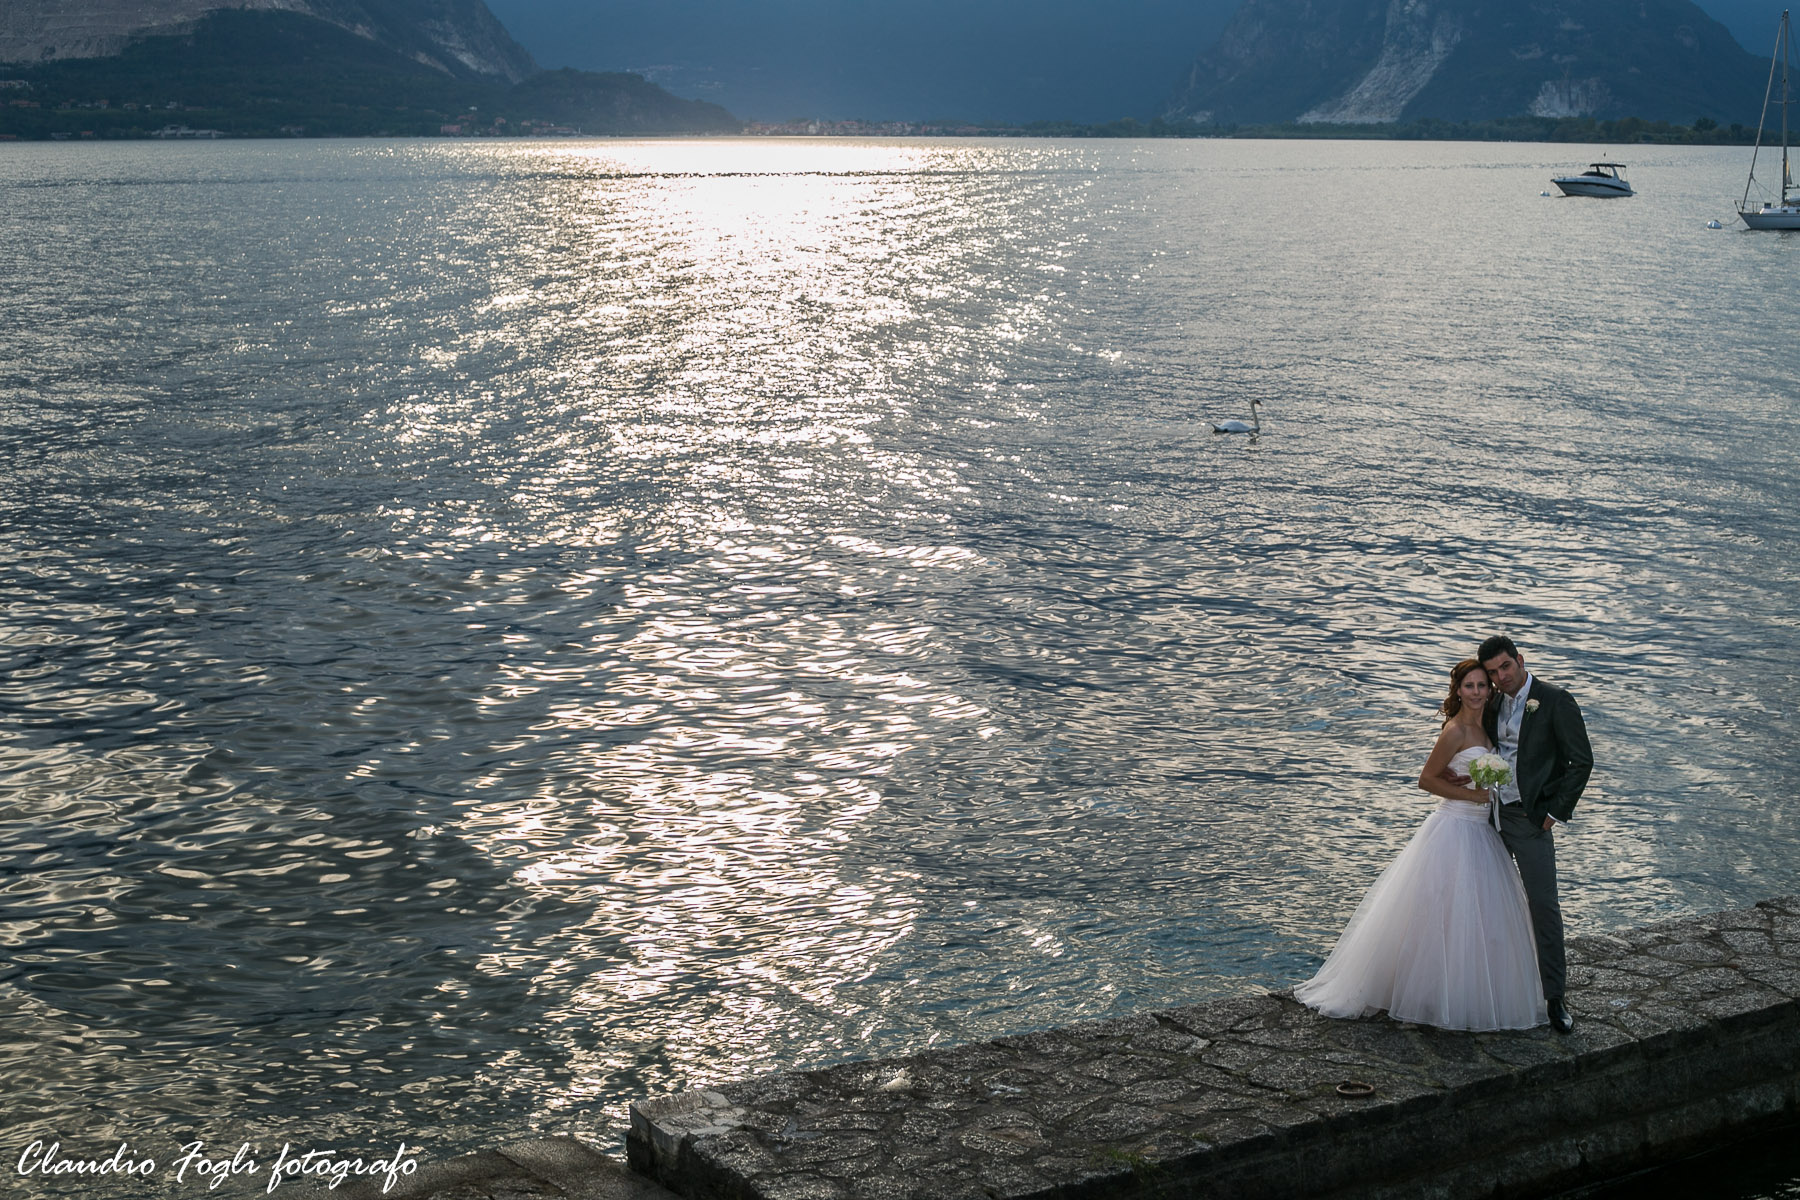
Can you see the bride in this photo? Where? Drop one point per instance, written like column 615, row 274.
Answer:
column 1444, row 936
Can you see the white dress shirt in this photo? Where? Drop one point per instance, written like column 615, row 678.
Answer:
column 1512, row 717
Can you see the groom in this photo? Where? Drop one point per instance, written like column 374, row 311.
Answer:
column 1539, row 730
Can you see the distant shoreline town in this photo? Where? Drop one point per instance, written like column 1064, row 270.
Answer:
column 1622, row 132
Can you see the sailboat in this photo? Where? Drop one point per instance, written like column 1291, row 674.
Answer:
column 1786, row 214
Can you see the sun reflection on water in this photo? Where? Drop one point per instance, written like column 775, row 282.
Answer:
column 739, row 327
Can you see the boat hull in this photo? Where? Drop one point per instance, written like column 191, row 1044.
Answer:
column 1787, row 217
column 1592, row 187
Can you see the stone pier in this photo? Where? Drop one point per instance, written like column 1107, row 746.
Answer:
column 1687, row 1036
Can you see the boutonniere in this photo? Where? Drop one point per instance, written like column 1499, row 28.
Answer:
column 1530, row 707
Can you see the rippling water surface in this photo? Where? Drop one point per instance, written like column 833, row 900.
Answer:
column 491, row 631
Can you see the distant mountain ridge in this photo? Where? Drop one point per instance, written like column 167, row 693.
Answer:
column 1381, row 61
column 460, row 38
column 417, row 68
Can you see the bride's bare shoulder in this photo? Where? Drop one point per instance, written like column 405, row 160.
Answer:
column 1455, row 737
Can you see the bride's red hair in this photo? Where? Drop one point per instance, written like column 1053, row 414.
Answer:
column 1453, row 702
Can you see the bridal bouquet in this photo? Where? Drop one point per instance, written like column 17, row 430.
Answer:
column 1489, row 771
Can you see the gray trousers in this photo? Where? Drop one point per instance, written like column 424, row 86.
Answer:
column 1533, row 850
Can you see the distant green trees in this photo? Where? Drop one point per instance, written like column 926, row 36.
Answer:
column 1623, row 131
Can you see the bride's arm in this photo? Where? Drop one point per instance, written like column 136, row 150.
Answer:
column 1432, row 777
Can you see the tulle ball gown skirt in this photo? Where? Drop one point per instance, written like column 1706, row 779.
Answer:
column 1442, row 938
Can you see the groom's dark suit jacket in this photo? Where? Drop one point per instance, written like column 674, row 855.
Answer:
column 1555, row 759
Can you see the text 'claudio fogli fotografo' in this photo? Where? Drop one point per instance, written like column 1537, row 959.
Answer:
column 195, row 1165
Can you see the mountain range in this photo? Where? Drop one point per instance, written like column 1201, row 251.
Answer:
column 457, row 37
column 425, row 66
column 1362, row 62
column 266, row 67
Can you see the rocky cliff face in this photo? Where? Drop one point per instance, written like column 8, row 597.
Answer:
column 458, row 37
column 1277, row 59
column 1416, row 41
column 1374, row 61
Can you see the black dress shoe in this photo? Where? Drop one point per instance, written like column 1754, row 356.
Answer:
column 1560, row 1020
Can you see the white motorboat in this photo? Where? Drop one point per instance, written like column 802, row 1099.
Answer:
column 1783, row 213
column 1600, row 179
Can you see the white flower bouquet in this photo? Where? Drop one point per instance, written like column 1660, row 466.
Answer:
column 1489, row 771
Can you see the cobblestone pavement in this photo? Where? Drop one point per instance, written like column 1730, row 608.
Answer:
column 1685, row 1031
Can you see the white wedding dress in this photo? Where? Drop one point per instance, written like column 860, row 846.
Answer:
column 1443, row 937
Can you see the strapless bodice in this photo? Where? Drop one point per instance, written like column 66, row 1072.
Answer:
column 1459, row 762
column 1462, row 809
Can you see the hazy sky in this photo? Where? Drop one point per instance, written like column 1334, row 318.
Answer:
column 979, row 60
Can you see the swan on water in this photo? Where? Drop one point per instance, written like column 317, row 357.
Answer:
column 1253, row 425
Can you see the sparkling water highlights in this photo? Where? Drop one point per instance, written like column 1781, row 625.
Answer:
column 491, row 631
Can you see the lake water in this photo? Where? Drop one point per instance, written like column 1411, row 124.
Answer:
column 491, row 631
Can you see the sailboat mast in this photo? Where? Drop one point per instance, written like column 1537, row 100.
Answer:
column 1787, row 38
